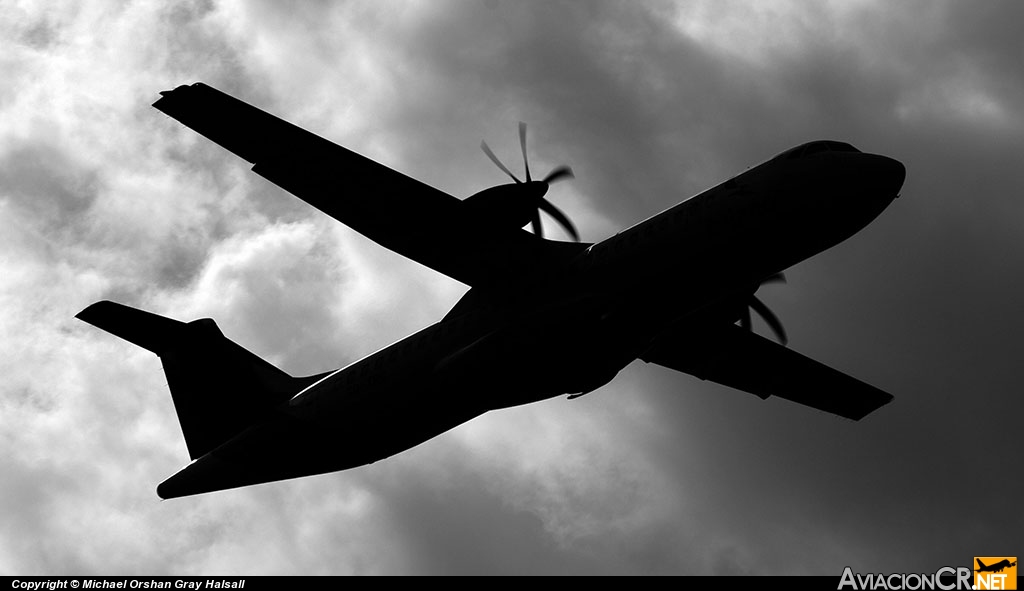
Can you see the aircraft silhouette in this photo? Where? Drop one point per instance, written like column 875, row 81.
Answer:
column 993, row 568
column 542, row 318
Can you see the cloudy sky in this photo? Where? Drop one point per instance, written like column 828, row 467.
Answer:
column 103, row 197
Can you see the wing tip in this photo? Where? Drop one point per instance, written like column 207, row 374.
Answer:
column 862, row 411
column 93, row 312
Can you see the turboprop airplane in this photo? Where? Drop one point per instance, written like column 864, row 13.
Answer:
column 542, row 318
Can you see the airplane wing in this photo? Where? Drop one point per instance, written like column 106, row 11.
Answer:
column 740, row 359
column 396, row 211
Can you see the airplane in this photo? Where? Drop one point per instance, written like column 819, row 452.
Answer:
column 994, row 568
column 542, row 318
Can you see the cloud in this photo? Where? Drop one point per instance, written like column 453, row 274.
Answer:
column 101, row 196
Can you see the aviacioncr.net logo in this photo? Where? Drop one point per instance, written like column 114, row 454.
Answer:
column 942, row 579
column 995, row 572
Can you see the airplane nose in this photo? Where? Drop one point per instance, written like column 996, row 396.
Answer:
column 889, row 174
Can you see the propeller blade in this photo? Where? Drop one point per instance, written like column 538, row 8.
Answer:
column 522, row 144
column 494, row 159
column 745, row 318
column 538, row 229
column 769, row 317
column 558, row 174
column 560, row 217
column 775, row 278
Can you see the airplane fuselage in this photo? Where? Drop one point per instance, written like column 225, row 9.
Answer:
column 542, row 319
column 573, row 333
column 567, row 330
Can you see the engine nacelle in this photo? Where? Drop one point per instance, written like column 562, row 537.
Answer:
column 510, row 205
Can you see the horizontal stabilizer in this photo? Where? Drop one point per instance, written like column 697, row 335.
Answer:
column 267, row 452
column 740, row 359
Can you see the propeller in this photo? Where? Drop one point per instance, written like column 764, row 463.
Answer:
column 537, row 189
column 763, row 311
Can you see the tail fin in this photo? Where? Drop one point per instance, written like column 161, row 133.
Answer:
column 218, row 387
column 981, row 564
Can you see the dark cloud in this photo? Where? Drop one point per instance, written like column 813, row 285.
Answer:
column 941, row 348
